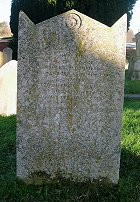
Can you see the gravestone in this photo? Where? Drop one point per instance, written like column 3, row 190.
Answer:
column 2, row 62
column 70, row 98
column 5, row 56
column 8, row 88
column 134, row 63
column 8, row 54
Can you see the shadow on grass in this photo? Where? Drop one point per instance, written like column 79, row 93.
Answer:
column 131, row 104
column 129, row 183
column 131, row 87
column 127, row 190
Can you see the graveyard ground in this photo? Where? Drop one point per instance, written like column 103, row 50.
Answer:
column 131, row 87
column 128, row 189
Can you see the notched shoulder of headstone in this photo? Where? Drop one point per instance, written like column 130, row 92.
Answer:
column 24, row 20
column 73, row 20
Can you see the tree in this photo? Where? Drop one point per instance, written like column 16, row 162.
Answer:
column 105, row 11
column 130, row 36
column 4, row 30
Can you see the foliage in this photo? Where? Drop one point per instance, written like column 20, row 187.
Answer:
column 105, row 11
column 128, row 189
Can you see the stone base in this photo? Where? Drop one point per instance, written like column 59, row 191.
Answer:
column 40, row 178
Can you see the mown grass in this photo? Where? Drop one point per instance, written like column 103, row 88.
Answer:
column 127, row 190
column 131, row 87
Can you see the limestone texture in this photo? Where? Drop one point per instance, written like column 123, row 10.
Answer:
column 70, row 98
column 8, row 88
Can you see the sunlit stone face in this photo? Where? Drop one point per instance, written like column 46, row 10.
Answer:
column 70, row 98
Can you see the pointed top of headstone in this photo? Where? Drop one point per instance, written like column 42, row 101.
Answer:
column 76, row 15
column 137, row 35
column 7, row 49
column 120, row 21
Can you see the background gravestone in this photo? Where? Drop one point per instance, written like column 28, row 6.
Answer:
column 70, row 98
column 5, row 56
column 2, row 59
column 8, row 88
column 8, row 54
column 134, row 63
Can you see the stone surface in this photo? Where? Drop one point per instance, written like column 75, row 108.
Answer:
column 8, row 54
column 70, row 98
column 5, row 56
column 8, row 88
column 137, row 38
column 134, row 62
column 2, row 59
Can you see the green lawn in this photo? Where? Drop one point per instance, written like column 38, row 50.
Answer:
column 131, row 87
column 128, row 189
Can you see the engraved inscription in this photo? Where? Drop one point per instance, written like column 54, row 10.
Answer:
column 73, row 21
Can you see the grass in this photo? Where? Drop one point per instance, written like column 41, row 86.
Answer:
column 127, row 190
column 131, row 87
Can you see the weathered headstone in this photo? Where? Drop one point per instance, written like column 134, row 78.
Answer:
column 70, row 98
column 5, row 56
column 8, row 54
column 2, row 62
column 8, row 88
column 134, row 62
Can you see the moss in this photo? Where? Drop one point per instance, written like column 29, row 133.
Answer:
column 46, row 40
column 81, row 48
column 30, row 126
column 33, row 93
column 53, row 36
column 69, row 106
column 32, row 32
column 51, row 39
column 19, row 121
column 41, row 177
column 70, row 119
column 37, row 178
column 76, row 87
